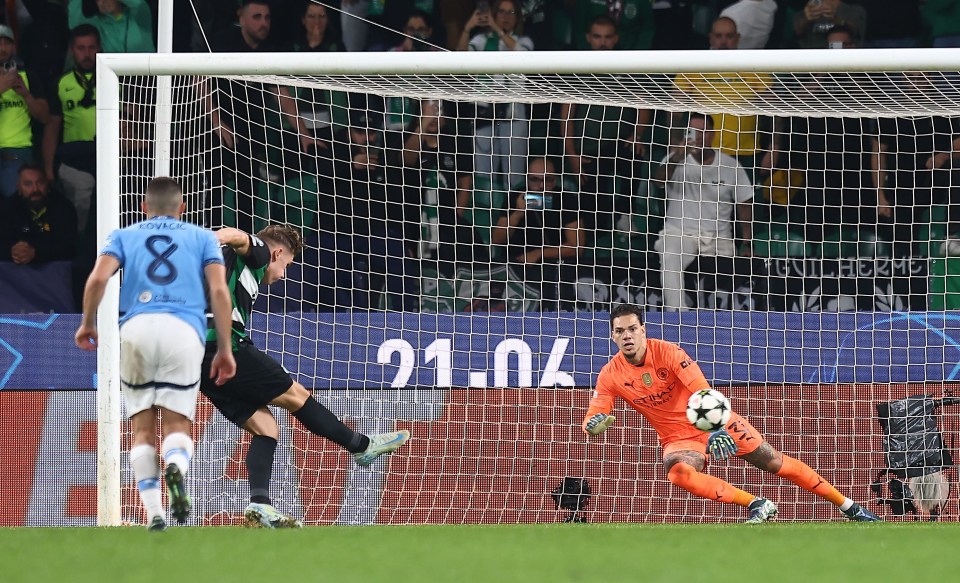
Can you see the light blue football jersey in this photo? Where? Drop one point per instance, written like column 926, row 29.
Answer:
column 163, row 260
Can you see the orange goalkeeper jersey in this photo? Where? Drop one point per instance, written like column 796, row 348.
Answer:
column 658, row 389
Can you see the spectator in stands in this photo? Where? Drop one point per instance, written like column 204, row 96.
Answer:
column 69, row 138
column 392, row 15
column 364, row 130
column 361, row 225
column 942, row 19
column 542, row 222
column 439, row 160
column 243, row 138
column 754, row 20
column 317, row 34
column 502, row 129
column 633, row 18
column 812, row 24
column 739, row 135
column 401, row 111
column 915, row 166
column 36, row 225
column 704, row 187
column 125, row 26
column 418, row 27
column 602, row 143
column 22, row 101
column 320, row 109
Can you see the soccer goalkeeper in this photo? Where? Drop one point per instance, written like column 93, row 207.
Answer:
column 261, row 380
column 656, row 378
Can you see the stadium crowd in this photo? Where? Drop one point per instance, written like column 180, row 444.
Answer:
column 391, row 193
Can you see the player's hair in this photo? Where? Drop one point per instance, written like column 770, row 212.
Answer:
column 707, row 120
column 164, row 195
column 283, row 235
column 626, row 310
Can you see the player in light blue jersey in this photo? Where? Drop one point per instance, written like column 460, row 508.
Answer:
column 168, row 266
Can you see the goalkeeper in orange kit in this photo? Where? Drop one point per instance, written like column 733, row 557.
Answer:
column 656, row 378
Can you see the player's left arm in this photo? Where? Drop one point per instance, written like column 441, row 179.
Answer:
column 688, row 371
column 103, row 270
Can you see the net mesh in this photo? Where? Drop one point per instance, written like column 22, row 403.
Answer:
column 430, row 195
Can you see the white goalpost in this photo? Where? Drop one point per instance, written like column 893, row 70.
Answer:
column 825, row 308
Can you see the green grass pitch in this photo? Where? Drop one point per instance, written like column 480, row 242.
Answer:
column 776, row 552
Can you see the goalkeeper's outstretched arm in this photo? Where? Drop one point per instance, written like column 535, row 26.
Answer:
column 598, row 423
column 598, row 417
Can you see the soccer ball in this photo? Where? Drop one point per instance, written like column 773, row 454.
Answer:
column 708, row 410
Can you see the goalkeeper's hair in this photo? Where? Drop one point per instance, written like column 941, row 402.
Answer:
column 626, row 310
column 283, row 235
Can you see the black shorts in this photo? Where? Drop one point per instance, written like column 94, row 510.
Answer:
column 259, row 380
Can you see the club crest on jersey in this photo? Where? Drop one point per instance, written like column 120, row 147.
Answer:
column 647, row 379
column 662, row 374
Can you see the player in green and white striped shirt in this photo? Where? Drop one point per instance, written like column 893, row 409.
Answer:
column 260, row 380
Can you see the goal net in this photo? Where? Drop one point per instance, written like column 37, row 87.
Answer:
column 470, row 220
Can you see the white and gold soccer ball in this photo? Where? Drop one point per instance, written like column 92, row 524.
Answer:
column 708, row 410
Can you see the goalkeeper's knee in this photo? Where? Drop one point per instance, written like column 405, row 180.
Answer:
column 682, row 475
column 598, row 423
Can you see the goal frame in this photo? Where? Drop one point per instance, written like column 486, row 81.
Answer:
column 111, row 66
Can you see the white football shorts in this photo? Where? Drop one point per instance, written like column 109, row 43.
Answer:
column 160, row 360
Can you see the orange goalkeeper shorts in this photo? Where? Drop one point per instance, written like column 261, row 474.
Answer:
column 745, row 435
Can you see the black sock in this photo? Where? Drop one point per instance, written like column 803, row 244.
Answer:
column 259, row 467
column 320, row 421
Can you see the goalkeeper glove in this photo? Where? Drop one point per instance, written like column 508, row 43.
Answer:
column 720, row 445
column 599, row 423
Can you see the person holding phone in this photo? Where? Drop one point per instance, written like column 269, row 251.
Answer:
column 502, row 129
column 479, row 20
column 704, row 187
column 818, row 17
column 24, row 101
column 542, row 222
